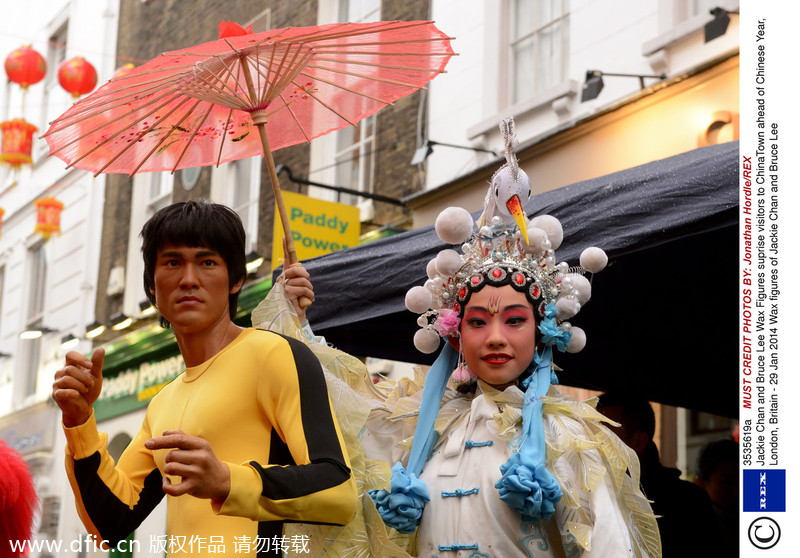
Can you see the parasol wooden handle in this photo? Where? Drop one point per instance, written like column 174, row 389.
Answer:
column 291, row 254
column 260, row 120
column 304, row 302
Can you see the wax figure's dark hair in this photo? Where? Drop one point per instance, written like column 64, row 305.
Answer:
column 713, row 454
column 637, row 414
column 195, row 223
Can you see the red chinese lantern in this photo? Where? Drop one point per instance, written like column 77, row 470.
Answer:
column 77, row 76
column 2, row 212
column 25, row 66
column 122, row 70
column 17, row 142
column 48, row 216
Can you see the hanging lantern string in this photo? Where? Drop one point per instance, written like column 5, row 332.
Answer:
column 63, row 46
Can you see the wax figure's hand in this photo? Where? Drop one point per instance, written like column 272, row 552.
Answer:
column 192, row 459
column 297, row 285
column 77, row 386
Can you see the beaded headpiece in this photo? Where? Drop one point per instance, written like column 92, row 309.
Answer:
column 505, row 250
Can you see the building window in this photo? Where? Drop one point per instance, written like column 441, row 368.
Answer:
column 355, row 148
column 38, row 276
column 698, row 7
column 56, row 100
column 244, row 183
column 351, row 148
column 151, row 192
column 34, row 315
column 539, row 47
column 359, row 11
column 159, row 191
column 262, row 22
column 676, row 12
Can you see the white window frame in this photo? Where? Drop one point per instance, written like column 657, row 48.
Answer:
column 261, row 22
column 248, row 208
column 143, row 205
column 679, row 20
column 35, row 295
column 159, row 191
column 498, row 81
column 562, row 21
column 688, row 9
column 54, row 100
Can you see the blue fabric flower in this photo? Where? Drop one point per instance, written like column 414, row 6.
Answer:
column 401, row 507
column 526, row 485
column 551, row 333
column 532, row 491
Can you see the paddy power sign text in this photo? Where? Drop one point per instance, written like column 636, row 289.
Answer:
column 318, row 227
column 133, row 388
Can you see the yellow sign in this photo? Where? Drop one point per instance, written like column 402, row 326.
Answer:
column 318, row 227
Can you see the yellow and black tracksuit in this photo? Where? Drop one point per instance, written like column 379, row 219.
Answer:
column 263, row 405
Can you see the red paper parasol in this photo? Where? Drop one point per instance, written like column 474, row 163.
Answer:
column 198, row 106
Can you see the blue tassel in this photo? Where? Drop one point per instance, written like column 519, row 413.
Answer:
column 401, row 506
column 526, row 485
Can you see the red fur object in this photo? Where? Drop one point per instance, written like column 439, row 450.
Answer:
column 18, row 500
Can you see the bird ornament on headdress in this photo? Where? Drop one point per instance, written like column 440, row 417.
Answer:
column 510, row 189
column 507, row 249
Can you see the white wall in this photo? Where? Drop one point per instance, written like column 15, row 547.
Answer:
column 73, row 257
column 618, row 36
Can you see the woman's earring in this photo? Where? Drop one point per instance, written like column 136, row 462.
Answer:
column 462, row 374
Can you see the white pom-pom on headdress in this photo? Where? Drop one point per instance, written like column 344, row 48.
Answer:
column 582, row 287
column 430, row 269
column 578, row 340
column 418, row 299
column 454, row 225
column 594, row 259
column 448, row 262
column 536, row 241
column 426, row 341
column 550, row 225
column 567, row 307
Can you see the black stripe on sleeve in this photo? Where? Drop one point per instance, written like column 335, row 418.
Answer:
column 114, row 519
column 327, row 468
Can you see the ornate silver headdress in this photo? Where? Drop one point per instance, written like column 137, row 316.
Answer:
column 505, row 250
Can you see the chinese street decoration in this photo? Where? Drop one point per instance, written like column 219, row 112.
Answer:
column 77, row 76
column 123, row 70
column 25, row 67
column 48, row 216
column 17, row 142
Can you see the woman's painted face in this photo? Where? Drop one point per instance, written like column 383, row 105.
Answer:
column 498, row 334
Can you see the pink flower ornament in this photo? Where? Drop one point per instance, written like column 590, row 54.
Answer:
column 448, row 322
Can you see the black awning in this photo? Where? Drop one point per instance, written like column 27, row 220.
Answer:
column 663, row 318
